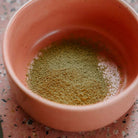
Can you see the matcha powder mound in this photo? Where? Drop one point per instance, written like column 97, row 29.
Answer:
column 68, row 73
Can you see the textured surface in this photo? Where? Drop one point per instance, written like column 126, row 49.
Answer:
column 68, row 73
column 17, row 124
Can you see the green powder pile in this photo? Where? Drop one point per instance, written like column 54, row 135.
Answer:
column 68, row 73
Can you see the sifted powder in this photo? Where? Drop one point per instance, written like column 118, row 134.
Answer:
column 68, row 73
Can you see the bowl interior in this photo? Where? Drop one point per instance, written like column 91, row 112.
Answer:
column 40, row 22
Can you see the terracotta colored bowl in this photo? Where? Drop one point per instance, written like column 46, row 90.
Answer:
column 39, row 19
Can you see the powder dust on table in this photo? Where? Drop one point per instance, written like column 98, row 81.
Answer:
column 68, row 73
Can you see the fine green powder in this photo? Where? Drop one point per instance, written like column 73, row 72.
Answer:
column 68, row 73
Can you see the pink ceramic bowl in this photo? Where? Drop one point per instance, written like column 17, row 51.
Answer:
column 39, row 19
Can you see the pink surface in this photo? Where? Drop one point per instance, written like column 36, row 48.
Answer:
column 13, row 118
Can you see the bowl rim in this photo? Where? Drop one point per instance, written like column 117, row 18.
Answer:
column 52, row 104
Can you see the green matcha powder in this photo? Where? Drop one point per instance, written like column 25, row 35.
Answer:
column 68, row 73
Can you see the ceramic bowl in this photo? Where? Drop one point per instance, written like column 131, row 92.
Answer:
column 39, row 19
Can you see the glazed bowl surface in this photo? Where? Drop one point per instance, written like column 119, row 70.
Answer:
column 37, row 24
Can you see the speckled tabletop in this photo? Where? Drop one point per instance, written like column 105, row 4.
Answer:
column 15, row 123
